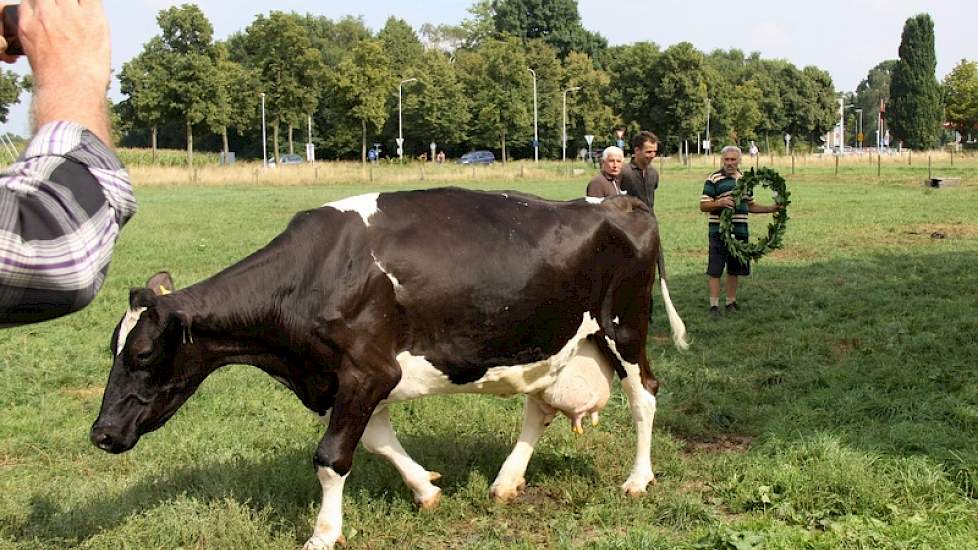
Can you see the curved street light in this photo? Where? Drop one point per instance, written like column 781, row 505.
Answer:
column 536, row 135
column 264, row 139
column 400, row 133
column 563, row 128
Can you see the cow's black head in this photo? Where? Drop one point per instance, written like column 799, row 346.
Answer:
column 150, row 377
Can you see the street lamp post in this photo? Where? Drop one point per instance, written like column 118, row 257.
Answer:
column 536, row 135
column 709, row 145
column 563, row 129
column 400, row 124
column 264, row 140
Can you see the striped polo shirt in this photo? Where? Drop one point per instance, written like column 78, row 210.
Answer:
column 719, row 185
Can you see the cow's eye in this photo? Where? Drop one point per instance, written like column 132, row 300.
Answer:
column 143, row 356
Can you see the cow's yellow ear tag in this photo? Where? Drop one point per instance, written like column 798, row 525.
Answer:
column 163, row 290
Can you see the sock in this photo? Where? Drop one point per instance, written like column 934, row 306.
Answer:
column 729, row 301
column 714, row 302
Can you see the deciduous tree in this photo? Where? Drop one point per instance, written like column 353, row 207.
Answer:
column 961, row 96
column 363, row 83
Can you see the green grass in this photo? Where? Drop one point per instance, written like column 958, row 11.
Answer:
column 837, row 410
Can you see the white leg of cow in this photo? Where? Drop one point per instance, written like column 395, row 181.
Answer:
column 510, row 479
column 379, row 438
column 329, row 522
column 642, row 405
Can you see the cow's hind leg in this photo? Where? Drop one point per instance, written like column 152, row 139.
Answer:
column 642, row 403
column 510, row 480
column 379, row 438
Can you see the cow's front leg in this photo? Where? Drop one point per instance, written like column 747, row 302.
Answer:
column 642, row 404
column 329, row 522
column 379, row 438
column 362, row 385
column 510, row 479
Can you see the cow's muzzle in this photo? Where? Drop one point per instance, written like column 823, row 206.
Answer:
column 104, row 438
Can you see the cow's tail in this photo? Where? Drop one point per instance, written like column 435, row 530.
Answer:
column 679, row 336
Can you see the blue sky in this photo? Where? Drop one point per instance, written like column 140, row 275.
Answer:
column 844, row 37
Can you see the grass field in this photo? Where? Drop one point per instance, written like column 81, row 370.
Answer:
column 838, row 409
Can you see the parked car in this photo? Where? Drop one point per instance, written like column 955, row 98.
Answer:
column 291, row 159
column 477, row 157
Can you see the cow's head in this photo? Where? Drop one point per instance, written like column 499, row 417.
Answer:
column 150, row 378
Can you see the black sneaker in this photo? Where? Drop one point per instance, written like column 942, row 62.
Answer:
column 714, row 312
column 732, row 307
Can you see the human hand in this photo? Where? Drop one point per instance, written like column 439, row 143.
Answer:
column 67, row 44
column 725, row 202
column 4, row 56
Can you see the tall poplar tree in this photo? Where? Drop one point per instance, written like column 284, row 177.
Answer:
column 914, row 112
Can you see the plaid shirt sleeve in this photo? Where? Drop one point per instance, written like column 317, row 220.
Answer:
column 62, row 204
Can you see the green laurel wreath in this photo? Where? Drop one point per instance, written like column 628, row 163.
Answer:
column 745, row 251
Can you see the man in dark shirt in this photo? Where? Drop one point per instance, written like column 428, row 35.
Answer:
column 605, row 184
column 638, row 177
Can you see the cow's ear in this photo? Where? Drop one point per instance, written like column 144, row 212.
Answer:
column 141, row 297
column 161, row 283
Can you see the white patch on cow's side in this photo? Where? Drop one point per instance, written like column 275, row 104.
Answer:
column 365, row 205
column 394, row 281
column 126, row 326
column 594, row 200
column 420, row 378
column 329, row 522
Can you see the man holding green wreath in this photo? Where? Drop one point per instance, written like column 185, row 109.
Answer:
column 717, row 196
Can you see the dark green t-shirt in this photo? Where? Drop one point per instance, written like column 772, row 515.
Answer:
column 719, row 185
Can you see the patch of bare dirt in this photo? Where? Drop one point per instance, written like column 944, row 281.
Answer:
column 944, row 230
column 718, row 444
column 843, row 348
column 85, row 393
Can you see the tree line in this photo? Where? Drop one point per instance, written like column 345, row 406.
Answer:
column 470, row 86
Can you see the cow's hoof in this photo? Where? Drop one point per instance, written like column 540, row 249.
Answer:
column 637, row 488
column 431, row 502
column 505, row 495
column 317, row 542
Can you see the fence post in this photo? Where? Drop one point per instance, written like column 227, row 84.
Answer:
column 929, row 174
column 837, row 166
column 879, row 164
column 910, row 157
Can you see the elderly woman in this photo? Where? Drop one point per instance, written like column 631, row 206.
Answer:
column 605, row 184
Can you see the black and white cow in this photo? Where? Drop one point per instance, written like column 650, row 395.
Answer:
column 383, row 298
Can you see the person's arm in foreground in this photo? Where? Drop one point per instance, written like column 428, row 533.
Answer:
column 64, row 201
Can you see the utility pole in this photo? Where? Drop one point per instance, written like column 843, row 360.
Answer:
column 536, row 135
